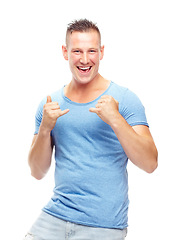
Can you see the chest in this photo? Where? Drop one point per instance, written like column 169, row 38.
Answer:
column 85, row 97
column 81, row 128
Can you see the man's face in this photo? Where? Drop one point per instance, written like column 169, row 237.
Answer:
column 84, row 53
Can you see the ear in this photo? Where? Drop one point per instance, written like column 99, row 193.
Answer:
column 65, row 52
column 101, row 52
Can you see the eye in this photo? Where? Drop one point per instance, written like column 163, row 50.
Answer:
column 92, row 51
column 76, row 51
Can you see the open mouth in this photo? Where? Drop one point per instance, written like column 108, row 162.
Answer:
column 84, row 69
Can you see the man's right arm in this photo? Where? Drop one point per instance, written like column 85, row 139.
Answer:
column 40, row 153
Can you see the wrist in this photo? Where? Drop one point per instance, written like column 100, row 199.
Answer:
column 44, row 131
column 117, row 121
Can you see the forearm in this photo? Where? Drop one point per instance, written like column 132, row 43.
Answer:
column 140, row 149
column 40, row 154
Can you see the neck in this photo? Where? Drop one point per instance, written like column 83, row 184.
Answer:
column 83, row 93
column 77, row 87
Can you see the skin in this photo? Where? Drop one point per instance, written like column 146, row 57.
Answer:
column 85, row 52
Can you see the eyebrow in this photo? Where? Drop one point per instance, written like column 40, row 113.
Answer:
column 93, row 49
column 96, row 49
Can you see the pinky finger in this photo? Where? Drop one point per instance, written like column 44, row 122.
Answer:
column 94, row 110
column 63, row 112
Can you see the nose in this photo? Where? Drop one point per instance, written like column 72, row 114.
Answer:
column 84, row 58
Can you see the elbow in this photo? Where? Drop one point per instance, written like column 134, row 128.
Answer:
column 36, row 172
column 152, row 168
column 153, row 164
column 36, row 175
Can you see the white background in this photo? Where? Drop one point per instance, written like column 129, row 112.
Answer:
column 141, row 52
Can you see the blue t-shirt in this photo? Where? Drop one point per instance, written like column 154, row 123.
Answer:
column 91, row 180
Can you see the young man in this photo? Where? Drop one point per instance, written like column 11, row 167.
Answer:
column 95, row 126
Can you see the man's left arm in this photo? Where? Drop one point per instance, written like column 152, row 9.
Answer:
column 136, row 141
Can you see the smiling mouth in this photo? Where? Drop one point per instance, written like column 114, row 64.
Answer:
column 84, row 69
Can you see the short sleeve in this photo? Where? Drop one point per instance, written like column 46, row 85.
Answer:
column 132, row 110
column 38, row 116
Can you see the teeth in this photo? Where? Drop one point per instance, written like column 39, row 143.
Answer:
column 84, row 68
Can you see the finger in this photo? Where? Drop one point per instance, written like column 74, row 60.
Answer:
column 98, row 105
column 116, row 102
column 49, row 99
column 105, row 96
column 54, row 106
column 51, row 106
column 64, row 112
column 101, row 101
column 94, row 110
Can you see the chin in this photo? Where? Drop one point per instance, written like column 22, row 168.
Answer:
column 83, row 80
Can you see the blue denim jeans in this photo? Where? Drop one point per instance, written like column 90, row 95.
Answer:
column 48, row 227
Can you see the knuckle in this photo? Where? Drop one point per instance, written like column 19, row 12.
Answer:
column 97, row 105
column 46, row 107
column 53, row 115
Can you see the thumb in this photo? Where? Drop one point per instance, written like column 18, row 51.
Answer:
column 49, row 99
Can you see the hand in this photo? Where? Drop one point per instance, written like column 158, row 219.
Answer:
column 51, row 112
column 107, row 109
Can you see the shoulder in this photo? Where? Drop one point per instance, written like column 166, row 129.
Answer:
column 56, row 95
column 130, row 106
column 117, row 91
column 122, row 93
column 55, row 98
column 118, row 88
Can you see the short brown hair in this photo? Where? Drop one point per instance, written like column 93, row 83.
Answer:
column 82, row 25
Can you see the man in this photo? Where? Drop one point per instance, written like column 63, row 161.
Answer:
column 95, row 126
